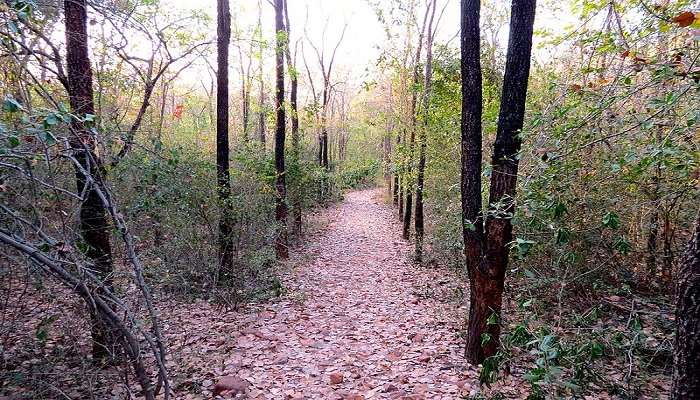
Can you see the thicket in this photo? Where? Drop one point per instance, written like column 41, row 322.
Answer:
column 606, row 198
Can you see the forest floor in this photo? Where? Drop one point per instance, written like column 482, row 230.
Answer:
column 359, row 321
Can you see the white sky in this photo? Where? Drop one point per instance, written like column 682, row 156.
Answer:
column 364, row 32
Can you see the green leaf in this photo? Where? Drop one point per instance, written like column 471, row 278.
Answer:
column 11, row 105
column 611, row 220
column 492, row 319
column 42, row 330
column 50, row 120
column 563, row 235
column 522, row 247
column 13, row 141
column 48, row 137
column 559, row 209
column 622, row 245
column 596, row 350
column 485, row 338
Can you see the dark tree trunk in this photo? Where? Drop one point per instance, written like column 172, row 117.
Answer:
column 423, row 138
column 652, row 243
column 320, row 150
column 402, row 181
column 686, row 354
column 487, row 252
column 89, row 175
column 653, row 225
column 395, row 189
column 223, row 181
column 397, row 174
column 281, row 247
column 324, row 129
column 387, row 163
column 294, row 103
column 246, row 111
column 412, row 143
column 408, row 211
column 667, row 266
column 472, row 217
column 261, row 115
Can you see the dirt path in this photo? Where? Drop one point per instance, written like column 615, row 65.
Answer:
column 356, row 328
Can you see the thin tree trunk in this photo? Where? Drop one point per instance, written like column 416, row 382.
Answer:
column 223, row 181
column 397, row 175
column 94, row 225
column 423, row 138
column 487, row 279
column 294, row 103
column 411, row 144
column 261, row 115
column 324, row 127
column 156, row 213
column 402, row 180
column 281, row 247
column 667, row 265
column 686, row 353
column 245, row 90
column 388, row 179
column 246, row 111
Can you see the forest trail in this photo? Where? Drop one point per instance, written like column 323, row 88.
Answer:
column 357, row 327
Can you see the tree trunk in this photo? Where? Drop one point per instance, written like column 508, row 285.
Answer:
column 261, row 76
column 667, row 266
column 397, row 175
column 487, row 260
column 281, row 247
column 324, row 128
column 223, row 181
column 261, row 114
column 686, row 354
column 294, row 103
column 411, row 144
column 472, row 217
column 402, row 181
column 94, row 225
column 423, row 138
column 246, row 111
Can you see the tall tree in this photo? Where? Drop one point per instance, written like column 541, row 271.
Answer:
column 223, row 179
column 686, row 354
column 281, row 246
column 262, row 115
column 414, row 124
column 486, row 243
column 89, row 171
column 245, row 66
column 423, row 136
column 294, row 104
column 327, row 74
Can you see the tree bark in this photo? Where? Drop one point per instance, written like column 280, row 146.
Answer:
column 472, row 217
column 423, row 138
column 486, row 248
column 94, row 225
column 686, row 354
column 414, row 100
column 324, row 122
column 223, row 180
column 281, row 246
column 294, row 104
column 261, row 115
